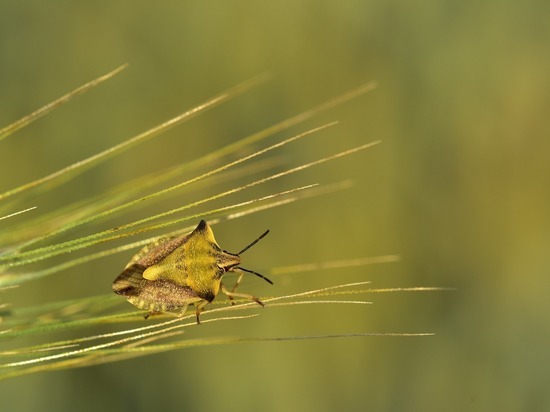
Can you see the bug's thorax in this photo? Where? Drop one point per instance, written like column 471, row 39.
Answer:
column 206, row 262
column 202, row 246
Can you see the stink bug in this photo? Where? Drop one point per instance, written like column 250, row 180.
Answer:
column 173, row 273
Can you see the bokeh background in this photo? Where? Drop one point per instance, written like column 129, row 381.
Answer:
column 459, row 188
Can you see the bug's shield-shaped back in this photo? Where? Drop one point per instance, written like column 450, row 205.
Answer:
column 154, row 295
column 175, row 272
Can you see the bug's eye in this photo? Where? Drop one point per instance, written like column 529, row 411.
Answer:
column 226, row 268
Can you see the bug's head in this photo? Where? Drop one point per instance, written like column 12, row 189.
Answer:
column 233, row 260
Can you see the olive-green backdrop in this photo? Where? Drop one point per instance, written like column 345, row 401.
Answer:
column 459, row 188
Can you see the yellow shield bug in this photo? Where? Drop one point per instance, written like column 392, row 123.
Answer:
column 173, row 273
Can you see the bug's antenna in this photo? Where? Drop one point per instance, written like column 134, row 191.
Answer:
column 256, row 273
column 252, row 244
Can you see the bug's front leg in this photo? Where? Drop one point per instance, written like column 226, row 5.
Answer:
column 232, row 295
column 234, row 288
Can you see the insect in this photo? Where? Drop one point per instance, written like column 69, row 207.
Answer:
column 173, row 273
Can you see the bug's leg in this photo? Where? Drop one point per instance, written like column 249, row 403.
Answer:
column 235, row 286
column 232, row 295
column 183, row 310
column 146, row 316
column 238, row 282
column 200, row 306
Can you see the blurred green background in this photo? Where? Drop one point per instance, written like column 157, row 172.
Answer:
column 459, row 188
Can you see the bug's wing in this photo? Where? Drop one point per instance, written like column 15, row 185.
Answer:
column 145, row 250
column 157, row 251
column 130, row 282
